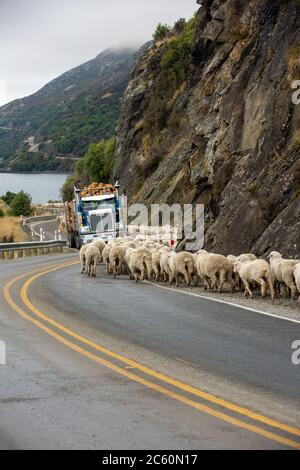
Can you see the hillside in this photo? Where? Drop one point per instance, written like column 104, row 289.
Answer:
column 208, row 118
column 53, row 127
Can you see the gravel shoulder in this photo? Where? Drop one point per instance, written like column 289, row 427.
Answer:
column 281, row 307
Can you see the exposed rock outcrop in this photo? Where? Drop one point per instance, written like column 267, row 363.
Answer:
column 228, row 133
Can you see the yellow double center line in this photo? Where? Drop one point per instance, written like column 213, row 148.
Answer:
column 180, row 386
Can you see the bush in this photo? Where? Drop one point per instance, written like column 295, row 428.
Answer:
column 174, row 66
column 67, row 191
column 177, row 57
column 180, row 25
column 8, row 197
column 20, row 205
column 1, row 212
column 8, row 239
column 161, row 32
column 98, row 162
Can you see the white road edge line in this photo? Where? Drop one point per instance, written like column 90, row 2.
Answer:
column 223, row 302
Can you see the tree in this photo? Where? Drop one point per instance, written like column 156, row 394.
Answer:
column 98, row 162
column 161, row 31
column 21, row 204
column 180, row 25
column 8, row 197
column 67, row 191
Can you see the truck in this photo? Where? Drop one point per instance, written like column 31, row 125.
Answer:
column 94, row 213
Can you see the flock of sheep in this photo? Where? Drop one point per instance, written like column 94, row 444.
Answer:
column 144, row 258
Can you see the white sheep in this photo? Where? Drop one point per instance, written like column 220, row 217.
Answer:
column 214, row 270
column 139, row 264
column 282, row 272
column 165, row 266
column 105, row 256
column 100, row 244
column 236, row 278
column 247, row 257
column 257, row 271
column 82, row 253
column 182, row 263
column 155, row 259
column 92, row 257
column 296, row 274
column 116, row 259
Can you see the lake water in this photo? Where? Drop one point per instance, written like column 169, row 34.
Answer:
column 42, row 187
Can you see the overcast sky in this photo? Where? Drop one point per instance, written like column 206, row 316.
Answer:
column 40, row 39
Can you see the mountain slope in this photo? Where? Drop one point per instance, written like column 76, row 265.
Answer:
column 49, row 129
column 208, row 118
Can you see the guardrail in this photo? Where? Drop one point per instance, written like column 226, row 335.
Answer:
column 26, row 226
column 35, row 248
column 39, row 218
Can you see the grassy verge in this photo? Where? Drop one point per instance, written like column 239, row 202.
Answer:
column 10, row 226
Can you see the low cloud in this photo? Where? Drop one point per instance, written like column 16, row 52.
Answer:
column 39, row 40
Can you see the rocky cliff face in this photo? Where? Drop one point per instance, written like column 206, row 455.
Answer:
column 208, row 118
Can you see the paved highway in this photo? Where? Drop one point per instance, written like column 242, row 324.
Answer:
column 102, row 363
column 49, row 227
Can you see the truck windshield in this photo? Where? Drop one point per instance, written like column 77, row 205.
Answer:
column 94, row 205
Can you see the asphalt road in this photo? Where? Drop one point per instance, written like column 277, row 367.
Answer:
column 49, row 227
column 102, row 363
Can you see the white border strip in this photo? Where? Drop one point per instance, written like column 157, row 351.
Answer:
column 223, row 302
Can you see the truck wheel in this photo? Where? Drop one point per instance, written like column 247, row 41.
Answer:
column 71, row 241
column 77, row 243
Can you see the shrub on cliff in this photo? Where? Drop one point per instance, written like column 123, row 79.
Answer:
column 161, row 32
column 98, row 162
column 67, row 191
column 177, row 57
column 173, row 69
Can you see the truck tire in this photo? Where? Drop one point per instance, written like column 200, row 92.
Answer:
column 77, row 243
column 71, row 240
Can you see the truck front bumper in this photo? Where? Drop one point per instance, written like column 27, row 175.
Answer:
column 106, row 236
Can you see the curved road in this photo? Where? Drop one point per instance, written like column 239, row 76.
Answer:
column 102, row 363
column 49, row 227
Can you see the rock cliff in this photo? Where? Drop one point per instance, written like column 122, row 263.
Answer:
column 208, row 117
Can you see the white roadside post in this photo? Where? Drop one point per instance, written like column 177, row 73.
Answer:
column 44, row 235
column 41, row 234
column 59, row 234
column 55, row 235
column 2, row 353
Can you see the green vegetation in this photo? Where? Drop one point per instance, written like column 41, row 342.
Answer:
column 96, row 165
column 28, row 161
column 19, row 204
column 1, row 212
column 172, row 63
column 7, row 239
column 66, row 115
column 173, row 71
column 161, row 32
column 67, row 191
column 8, row 197
column 68, row 134
column 176, row 60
